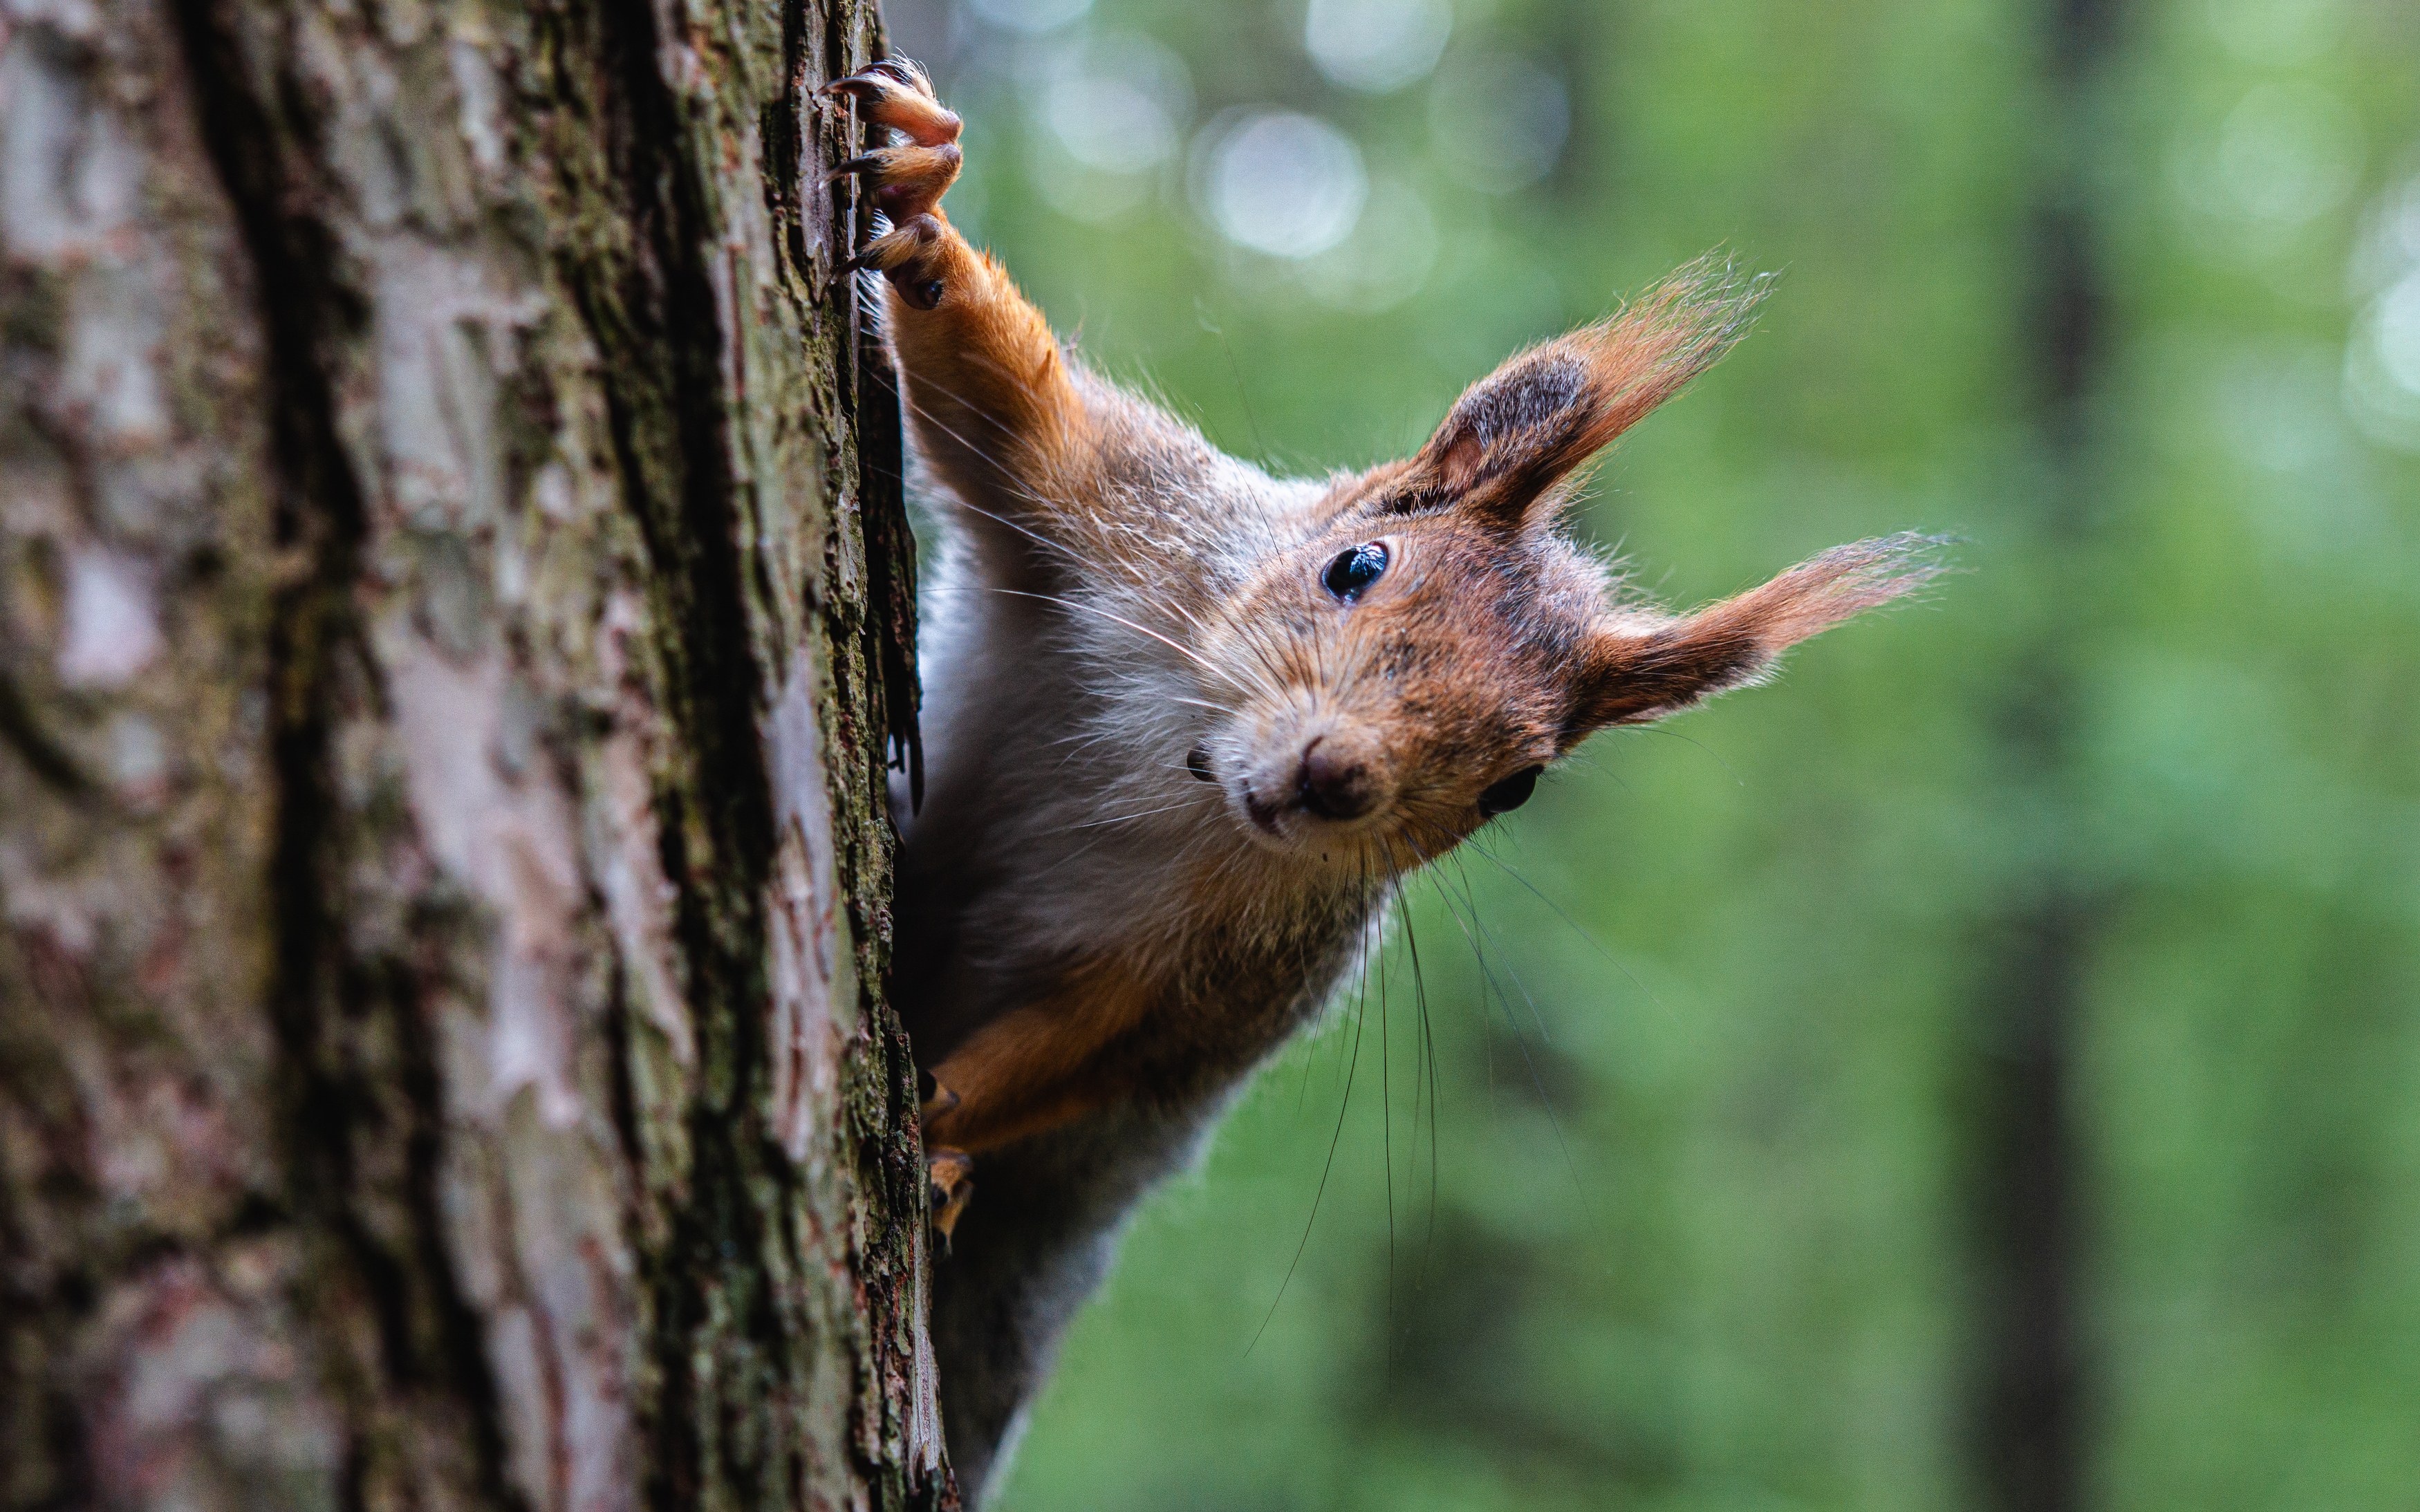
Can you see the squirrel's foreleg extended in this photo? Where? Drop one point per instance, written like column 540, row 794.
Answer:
column 987, row 388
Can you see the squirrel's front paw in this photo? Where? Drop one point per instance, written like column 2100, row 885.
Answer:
column 907, row 181
column 946, row 1173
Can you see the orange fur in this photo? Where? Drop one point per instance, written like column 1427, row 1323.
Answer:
column 986, row 384
column 1038, row 1067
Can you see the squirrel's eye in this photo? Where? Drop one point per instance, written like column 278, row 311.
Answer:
column 1510, row 793
column 1352, row 573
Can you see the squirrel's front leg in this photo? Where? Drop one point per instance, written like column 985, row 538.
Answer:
column 987, row 389
column 1026, row 1073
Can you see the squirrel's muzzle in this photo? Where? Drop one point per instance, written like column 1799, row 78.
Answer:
column 1337, row 781
column 1305, row 777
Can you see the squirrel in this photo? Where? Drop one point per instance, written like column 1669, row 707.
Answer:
column 1188, row 726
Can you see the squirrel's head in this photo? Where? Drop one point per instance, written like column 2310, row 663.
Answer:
column 1409, row 669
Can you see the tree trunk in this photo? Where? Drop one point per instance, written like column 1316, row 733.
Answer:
column 2030, row 1408
column 452, row 629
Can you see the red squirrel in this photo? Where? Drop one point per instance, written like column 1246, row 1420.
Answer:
column 1187, row 727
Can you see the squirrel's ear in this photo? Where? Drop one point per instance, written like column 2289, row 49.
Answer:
column 1519, row 431
column 1642, row 666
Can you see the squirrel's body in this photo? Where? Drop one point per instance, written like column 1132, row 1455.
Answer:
column 1186, row 726
column 1060, row 858
column 1060, row 851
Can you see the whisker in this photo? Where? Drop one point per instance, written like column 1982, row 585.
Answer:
column 1334, row 1140
column 1660, row 729
column 1013, row 486
column 1471, row 899
column 1577, row 928
column 1545, row 1101
column 1215, row 708
column 1387, row 1137
column 1428, row 1045
column 1129, row 818
column 1194, row 656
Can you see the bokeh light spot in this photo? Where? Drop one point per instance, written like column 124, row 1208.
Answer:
column 1031, row 17
column 1283, row 183
column 1499, row 120
column 1376, row 45
column 2288, row 153
column 1385, row 259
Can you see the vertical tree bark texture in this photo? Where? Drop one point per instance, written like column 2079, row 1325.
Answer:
column 444, row 618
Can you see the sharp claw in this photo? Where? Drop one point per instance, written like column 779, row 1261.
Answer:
column 870, row 82
column 900, row 184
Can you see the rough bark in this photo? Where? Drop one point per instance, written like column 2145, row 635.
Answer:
column 445, row 610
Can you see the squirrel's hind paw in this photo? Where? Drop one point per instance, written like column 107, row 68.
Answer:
column 946, row 1176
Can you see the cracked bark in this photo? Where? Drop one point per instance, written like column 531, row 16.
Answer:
column 453, row 620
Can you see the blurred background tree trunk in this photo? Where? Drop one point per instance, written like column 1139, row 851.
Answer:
column 2030, row 1408
column 447, row 605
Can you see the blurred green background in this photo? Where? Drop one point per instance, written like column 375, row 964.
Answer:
column 1981, row 1070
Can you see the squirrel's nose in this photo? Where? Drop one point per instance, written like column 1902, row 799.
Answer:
column 1337, row 783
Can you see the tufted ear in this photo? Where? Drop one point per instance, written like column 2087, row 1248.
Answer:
column 1640, row 668
column 1518, row 432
